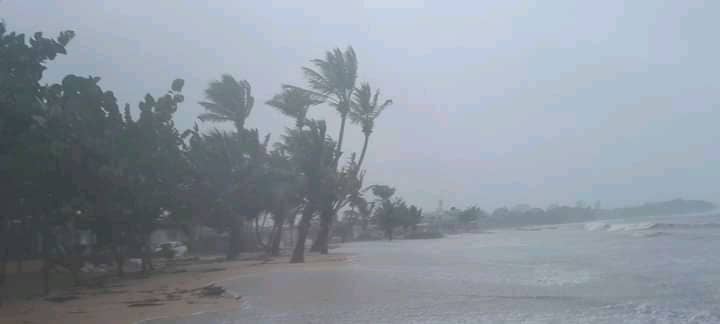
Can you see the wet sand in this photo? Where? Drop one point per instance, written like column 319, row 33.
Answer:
column 161, row 296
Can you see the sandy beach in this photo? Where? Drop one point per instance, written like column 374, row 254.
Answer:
column 175, row 292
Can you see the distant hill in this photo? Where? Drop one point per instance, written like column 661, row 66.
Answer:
column 505, row 217
column 663, row 208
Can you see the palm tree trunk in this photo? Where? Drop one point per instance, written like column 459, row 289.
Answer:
column 277, row 232
column 299, row 251
column 5, row 245
column 3, row 267
column 258, row 234
column 277, row 238
column 235, row 245
column 239, row 125
column 364, row 149
column 46, row 260
column 323, row 236
column 119, row 261
column 338, row 148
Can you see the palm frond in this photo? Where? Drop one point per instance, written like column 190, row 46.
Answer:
column 365, row 109
column 214, row 118
column 228, row 98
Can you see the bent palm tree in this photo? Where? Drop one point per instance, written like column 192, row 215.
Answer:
column 228, row 100
column 311, row 151
column 295, row 103
column 334, row 79
column 364, row 110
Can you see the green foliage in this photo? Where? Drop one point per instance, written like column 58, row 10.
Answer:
column 366, row 107
column 295, row 103
column 71, row 157
column 228, row 100
column 392, row 213
column 383, row 192
column 470, row 215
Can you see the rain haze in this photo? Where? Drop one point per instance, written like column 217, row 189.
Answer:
column 496, row 103
column 367, row 161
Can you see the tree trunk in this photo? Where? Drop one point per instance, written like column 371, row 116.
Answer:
column 389, row 233
column 147, row 264
column 72, row 257
column 235, row 245
column 276, row 239
column 277, row 236
column 338, row 148
column 3, row 266
column 119, row 261
column 364, row 149
column 5, row 245
column 258, row 234
column 299, row 251
column 323, row 237
column 46, row 262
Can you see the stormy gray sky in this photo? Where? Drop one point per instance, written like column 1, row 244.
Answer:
column 496, row 102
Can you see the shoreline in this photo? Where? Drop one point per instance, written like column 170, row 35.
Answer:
column 175, row 292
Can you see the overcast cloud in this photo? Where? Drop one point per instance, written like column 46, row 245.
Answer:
column 496, row 102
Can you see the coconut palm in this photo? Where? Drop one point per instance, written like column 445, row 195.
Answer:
column 334, row 79
column 228, row 100
column 295, row 103
column 232, row 168
column 285, row 196
column 311, row 151
column 364, row 110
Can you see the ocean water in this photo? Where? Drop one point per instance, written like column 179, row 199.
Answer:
column 643, row 270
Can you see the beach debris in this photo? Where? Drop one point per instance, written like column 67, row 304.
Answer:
column 61, row 299
column 142, row 304
column 211, row 290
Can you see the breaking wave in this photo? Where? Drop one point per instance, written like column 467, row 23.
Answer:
column 631, row 227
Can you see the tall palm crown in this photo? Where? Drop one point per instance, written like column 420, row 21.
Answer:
column 295, row 103
column 366, row 108
column 334, row 79
column 228, row 100
column 311, row 151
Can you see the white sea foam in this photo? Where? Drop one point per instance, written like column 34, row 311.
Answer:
column 645, row 226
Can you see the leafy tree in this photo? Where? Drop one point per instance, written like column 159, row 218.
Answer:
column 242, row 156
column 22, row 113
column 388, row 213
column 470, row 216
column 414, row 217
column 155, row 168
column 231, row 167
column 285, row 196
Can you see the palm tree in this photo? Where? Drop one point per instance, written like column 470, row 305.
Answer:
column 285, row 196
column 334, row 79
column 295, row 103
column 232, row 168
column 228, row 100
column 311, row 151
column 364, row 110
